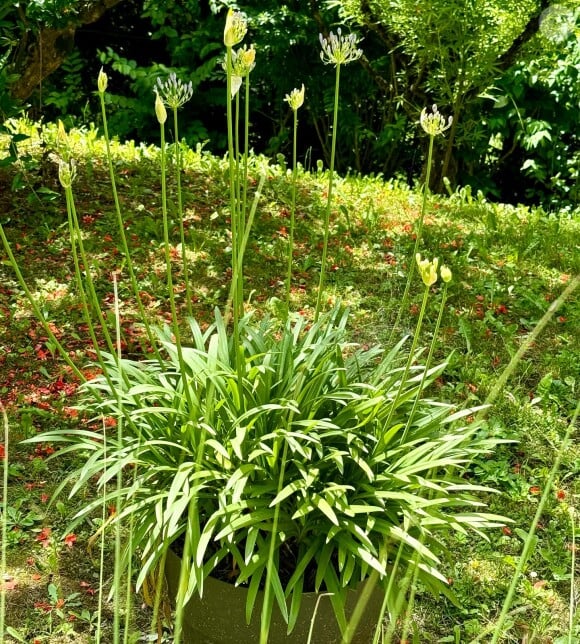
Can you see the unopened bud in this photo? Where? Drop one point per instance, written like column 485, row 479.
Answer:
column 66, row 173
column 102, row 81
column 160, row 110
column 235, row 29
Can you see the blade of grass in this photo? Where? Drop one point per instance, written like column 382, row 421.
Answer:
column 4, row 521
column 526, row 551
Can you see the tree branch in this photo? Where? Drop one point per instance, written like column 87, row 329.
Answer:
column 51, row 47
column 509, row 57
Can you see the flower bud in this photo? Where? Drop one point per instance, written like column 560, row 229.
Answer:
column 296, row 98
column 102, row 81
column 66, row 173
column 62, row 136
column 160, row 110
column 243, row 61
column 247, row 58
column 427, row 269
column 235, row 29
column 446, row 274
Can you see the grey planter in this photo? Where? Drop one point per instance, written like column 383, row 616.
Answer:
column 219, row 617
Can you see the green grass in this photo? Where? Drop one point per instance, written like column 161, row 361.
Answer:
column 508, row 265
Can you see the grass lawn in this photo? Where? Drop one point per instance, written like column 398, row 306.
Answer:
column 509, row 264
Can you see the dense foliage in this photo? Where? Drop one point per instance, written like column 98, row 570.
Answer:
column 507, row 71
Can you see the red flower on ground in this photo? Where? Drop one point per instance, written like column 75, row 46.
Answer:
column 535, row 490
column 87, row 587
column 43, row 606
column 44, row 536
column 70, row 539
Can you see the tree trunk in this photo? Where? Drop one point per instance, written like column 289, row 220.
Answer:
column 50, row 49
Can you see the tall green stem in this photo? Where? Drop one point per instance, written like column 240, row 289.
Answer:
column 77, row 239
column 98, row 630
column 292, row 212
column 234, row 207
column 121, row 227
column 118, row 569
column 184, row 258
column 572, row 600
column 427, row 363
column 4, row 520
column 246, row 151
column 172, row 306
column 240, row 214
column 409, row 359
column 418, row 235
column 329, row 198
column 530, row 538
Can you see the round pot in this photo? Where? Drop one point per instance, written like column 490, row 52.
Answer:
column 219, row 617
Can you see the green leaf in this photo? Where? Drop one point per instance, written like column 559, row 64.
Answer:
column 323, row 505
column 253, row 589
column 255, row 517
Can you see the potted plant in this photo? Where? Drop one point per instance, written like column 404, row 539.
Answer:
column 325, row 462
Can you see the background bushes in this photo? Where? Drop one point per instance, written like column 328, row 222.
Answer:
column 507, row 71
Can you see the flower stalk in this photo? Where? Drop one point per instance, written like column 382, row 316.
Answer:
column 337, row 50
column 433, row 124
column 102, row 82
column 174, row 94
column 295, row 100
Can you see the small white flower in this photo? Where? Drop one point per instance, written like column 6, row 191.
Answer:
column 338, row 49
column 296, row 98
column 173, row 91
column 434, row 123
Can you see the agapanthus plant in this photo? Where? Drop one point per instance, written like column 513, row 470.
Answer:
column 319, row 450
